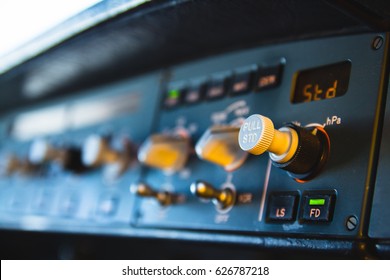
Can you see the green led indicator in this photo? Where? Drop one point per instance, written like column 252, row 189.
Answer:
column 317, row 201
column 174, row 93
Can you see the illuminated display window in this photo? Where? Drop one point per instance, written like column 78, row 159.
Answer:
column 325, row 82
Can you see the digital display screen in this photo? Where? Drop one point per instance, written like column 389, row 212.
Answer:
column 325, row 82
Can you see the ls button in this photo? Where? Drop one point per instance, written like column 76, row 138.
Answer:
column 282, row 207
column 317, row 207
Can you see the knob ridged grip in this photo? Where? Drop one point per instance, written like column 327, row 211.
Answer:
column 256, row 134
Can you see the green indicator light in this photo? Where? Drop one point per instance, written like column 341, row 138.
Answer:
column 317, row 201
column 174, row 94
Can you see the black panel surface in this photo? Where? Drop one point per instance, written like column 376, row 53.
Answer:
column 350, row 133
column 202, row 46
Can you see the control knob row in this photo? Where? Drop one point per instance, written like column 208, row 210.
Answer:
column 301, row 151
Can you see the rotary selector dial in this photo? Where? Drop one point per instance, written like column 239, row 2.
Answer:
column 302, row 151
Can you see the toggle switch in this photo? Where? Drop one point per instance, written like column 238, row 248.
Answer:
column 223, row 199
column 219, row 145
column 302, row 151
column 165, row 152
column 97, row 152
column 165, row 198
column 69, row 158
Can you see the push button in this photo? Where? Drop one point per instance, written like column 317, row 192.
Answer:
column 216, row 89
column 173, row 98
column 269, row 77
column 282, row 207
column 317, row 207
column 194, row 94
column 241, row 83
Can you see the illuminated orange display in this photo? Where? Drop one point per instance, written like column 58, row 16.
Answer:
column 325, row 82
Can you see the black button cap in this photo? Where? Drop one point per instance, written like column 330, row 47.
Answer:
column 241, row 83
column 269, row 77
column 194, row 94
column 173, row 98
column 282, row 207
column 317, row 207
column 216, row 89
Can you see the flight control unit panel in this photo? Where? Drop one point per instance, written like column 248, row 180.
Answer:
column 278, row 140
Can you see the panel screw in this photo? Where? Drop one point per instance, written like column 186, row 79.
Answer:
column 352, row 223
column 377, row 43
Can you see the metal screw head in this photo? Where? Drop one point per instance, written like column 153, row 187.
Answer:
column 377, row 43
column 352, row 223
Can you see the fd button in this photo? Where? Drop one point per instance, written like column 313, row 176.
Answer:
column 317, row 207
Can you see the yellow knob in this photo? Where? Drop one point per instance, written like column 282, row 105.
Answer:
column 165, row 152
column 258, row 135
column 219, row 145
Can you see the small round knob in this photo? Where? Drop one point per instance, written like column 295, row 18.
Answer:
column 219, row 145
column 223, row 199
column 165, row 152
column 163, row 197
